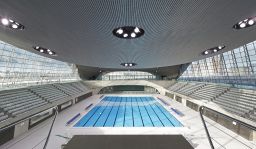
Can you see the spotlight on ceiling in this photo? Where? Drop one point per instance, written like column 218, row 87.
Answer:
column 213, row 50
column 125, row 35
column 136, row 30
column 245, row 23
column 120, row 31
column 44, row 50
column 11, row 24
column 133, row 35
column 5, row 21
column 206, row 52
column 128, row 64
column 128, row 32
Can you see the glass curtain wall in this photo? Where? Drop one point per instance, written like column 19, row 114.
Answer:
column 20, row 68
column 236, row 67
column 128, row 75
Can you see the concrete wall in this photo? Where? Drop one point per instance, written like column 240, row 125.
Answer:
column 245, row 132
column 160, row 85
column 21, row 128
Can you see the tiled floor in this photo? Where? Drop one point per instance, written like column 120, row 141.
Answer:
column 193, row 130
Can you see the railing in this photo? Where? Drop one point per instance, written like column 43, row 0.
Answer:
column 29, row 117
column 201, row 110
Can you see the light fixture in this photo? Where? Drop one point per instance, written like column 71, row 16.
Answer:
column 234, row 122
column 128, row 64
column 11, row 23
column 213, row 50
column 133, row 35
column 136, row 30
column 242, row 25
column 120, row 31
column 5, row 21
column 251, row 22
column 245, row 23
column 15, row 26
column 44, row 50
column 128, row 32
column 125, row 35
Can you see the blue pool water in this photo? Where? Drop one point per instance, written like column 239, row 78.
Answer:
column 115, row 111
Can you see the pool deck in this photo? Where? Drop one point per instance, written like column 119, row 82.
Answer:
column 193, row 129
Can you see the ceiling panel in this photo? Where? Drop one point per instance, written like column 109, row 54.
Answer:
column 80, row 31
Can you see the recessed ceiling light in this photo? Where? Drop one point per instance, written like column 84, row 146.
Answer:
column 136, row 30
column 242, row 25
column 15, row 26
column 120, row 31
column 128, row 64
column 125, row 35
column 11, row 24
column 251, row 22
column 5, row 21
column 245, row 23
column 128, row 32
column 133, row 35
column 213, row 50
column 44, row 50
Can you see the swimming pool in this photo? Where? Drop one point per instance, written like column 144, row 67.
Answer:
column 116, row 111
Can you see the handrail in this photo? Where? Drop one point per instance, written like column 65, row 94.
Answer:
column 48, row 136
column 201, row 108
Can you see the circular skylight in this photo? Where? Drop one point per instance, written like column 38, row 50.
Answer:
column 128, row 32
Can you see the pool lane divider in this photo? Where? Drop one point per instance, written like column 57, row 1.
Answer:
column 88, row 107
column 73, row 119
column 163, row 101
column 177, row 112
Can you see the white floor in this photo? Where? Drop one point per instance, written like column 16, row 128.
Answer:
column 193, row 130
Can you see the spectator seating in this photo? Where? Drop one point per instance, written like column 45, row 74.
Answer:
column 19, row 101
column 49, row 92
column 237, row 101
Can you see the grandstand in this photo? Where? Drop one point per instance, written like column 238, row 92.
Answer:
column 122, row 74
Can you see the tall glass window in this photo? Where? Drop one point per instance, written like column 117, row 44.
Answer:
column 236, row 67
column 20, row 68
column 128, row 75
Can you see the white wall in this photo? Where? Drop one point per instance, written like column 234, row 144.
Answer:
column 157, row 84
